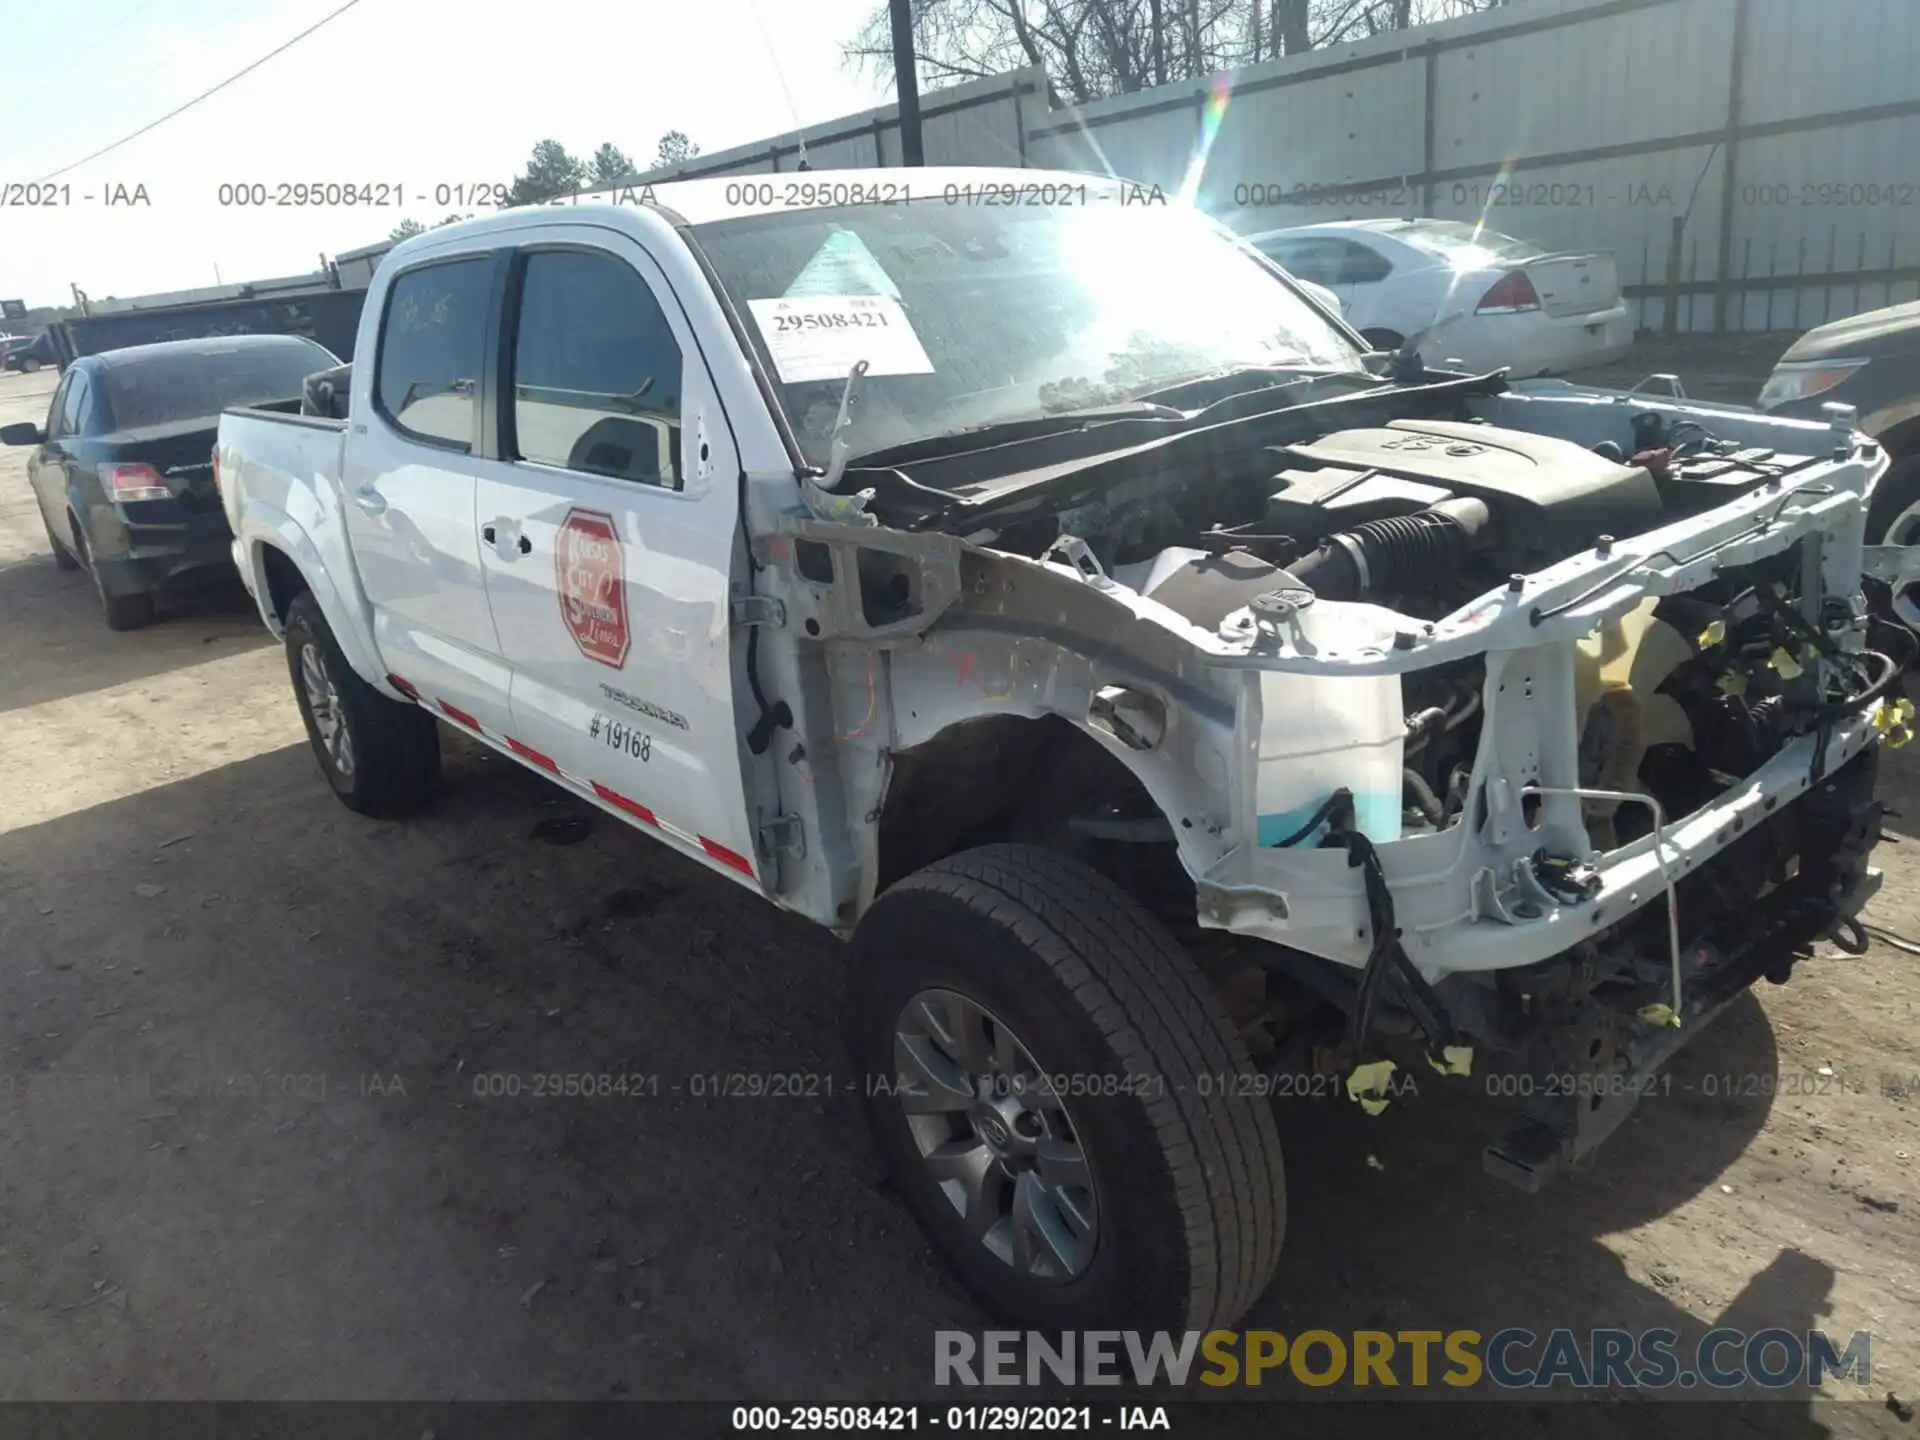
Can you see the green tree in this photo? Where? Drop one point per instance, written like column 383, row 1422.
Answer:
column 610, row 165
column 674, row 149
column 551, row 173
column 406, row 230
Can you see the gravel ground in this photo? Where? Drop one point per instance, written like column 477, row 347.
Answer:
column 242, row 1154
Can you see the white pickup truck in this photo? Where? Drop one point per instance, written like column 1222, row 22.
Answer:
column 1177, row 706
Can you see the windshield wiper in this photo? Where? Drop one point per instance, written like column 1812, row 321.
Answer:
column 1027, row 427
column 1136, row 409
column 1263, row 372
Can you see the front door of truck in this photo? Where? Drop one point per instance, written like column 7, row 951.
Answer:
column 409, row 486
column 608, row 527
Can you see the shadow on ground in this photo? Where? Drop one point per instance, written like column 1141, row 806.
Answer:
column 54, row 618
column 284, row 1124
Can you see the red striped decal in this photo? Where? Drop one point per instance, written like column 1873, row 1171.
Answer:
column 405, row 687
column 527, row 752
column 454, row 712
column 726, row 856
column 632, row 807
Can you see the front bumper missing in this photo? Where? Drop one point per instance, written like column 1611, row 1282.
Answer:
column 1458, row 913
column 1581, row 1076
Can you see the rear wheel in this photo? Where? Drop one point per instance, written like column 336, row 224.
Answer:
column 381, row 756
column 122, row 612
column 1052, row 1083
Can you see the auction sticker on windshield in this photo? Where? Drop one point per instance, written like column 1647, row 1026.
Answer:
column 822, row 337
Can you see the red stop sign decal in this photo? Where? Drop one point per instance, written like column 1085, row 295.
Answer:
column 593, row 585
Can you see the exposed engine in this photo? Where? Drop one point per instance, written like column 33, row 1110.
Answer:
column 1678, row 698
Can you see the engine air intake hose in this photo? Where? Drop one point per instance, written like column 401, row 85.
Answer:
column 1397, row 555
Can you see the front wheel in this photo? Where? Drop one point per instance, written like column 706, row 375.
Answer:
column 1053, row 1086
column 62, row 557
column 381, row 756
column 1893, row 515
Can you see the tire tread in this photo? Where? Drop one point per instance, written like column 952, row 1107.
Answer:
column 1161, row 1016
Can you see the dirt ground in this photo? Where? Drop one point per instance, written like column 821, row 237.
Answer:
column 242, row 1154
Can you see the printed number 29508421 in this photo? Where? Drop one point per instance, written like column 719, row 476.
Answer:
column 619, row 736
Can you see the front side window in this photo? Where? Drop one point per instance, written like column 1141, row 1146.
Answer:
column 596, row 370
column 432, row 349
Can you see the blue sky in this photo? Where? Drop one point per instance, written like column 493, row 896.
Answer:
column 422, row 92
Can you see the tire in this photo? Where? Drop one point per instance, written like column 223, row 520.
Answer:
column 62, row 557
column 1074, row 979
column 388, row 764
column 122, row 612
column 1896, row 505
column 30, row 367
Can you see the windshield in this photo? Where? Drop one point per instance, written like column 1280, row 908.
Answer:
column 168, row 386
column 1466, row 247
column 971, row 316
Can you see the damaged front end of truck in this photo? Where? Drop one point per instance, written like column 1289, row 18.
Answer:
column 1506, row 731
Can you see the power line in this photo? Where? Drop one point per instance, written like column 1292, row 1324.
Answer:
column 214, row 90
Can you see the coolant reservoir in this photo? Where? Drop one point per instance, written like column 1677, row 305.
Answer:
column 1319, row 733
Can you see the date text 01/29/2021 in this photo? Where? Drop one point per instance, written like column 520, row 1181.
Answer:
column 1064, row 1419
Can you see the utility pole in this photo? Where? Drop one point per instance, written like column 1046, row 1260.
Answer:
column 906, row 82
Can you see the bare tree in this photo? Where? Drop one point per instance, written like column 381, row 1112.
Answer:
column 1095, row 48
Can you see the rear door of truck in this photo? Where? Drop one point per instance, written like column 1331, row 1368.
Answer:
column 608, row 527
column 409, row 486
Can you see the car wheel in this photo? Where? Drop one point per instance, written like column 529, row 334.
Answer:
column 1051, row 1082
column 381, row 756
column 62, row 557
column 122, row 612
column 30, row 367
column 1893, row 515
column 1893, row 518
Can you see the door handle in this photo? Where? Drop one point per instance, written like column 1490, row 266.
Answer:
column 369, row 499
column 491, row 534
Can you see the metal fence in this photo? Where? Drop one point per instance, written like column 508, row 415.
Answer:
column 1748, row 162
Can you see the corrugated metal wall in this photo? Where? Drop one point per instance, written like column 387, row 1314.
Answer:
column 1751, row 163
column 1775, row 138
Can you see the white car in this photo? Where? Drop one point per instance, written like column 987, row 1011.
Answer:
column 1463, row 293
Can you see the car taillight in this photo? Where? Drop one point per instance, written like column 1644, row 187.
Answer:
column 1511, row 293
column 133, row 482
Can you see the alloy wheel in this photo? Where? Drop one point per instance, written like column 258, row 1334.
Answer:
column 323, row 703
column 995, row 1136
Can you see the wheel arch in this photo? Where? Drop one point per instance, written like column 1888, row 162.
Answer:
column 283, row 562
column 1028, row 778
